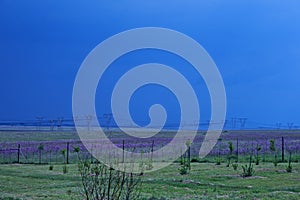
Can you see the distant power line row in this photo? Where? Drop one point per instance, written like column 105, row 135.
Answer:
column 107, row 120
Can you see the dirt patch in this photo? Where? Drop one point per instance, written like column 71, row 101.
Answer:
column 226, row 175
column 255, row 177
column 222, row 196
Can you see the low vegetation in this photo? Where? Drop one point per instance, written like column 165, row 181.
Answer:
column 204, row 181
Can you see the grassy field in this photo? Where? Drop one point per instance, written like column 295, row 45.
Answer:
column 205, row 181
column 21, row 135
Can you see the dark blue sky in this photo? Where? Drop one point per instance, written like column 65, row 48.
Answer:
column 256, row 46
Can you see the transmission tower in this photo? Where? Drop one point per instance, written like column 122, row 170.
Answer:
column 89, row 119
column 40, row 121
column 243, row 122
column 108, row 117
column 60, row 122
column 290, row 125
column 233, row 122
column 225, row 122
column 52, row 124
column 278, row 125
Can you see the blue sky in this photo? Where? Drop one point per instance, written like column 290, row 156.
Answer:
column 255, row 44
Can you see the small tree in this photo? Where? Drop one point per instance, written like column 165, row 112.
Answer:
column 273, row 149
column 76, row 150
column 40, row 149
column 219, row 159
column 188, row 144
column 230, row 155
column 65, row 169
column 248, row 170
column 186, row 159
column 289, row 168
column 257, row 157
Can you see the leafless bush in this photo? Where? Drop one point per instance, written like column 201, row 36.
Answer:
column 101, row 182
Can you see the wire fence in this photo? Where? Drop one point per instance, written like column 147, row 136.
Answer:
column 52, row 151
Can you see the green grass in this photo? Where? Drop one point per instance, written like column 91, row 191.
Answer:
column 205, row 181
column 16, row 136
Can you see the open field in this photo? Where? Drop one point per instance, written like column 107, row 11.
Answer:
column 205, row 181
column 29, row 180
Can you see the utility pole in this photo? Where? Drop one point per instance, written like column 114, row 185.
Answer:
column 60, row 122
column 243, row 122
column 40, row 120
column 52, row 123
column 278, row 125
column 290, row 125
column 89, row 119
column 108, row 117
column 233, row 122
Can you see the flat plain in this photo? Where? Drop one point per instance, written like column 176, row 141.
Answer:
column 205, row 180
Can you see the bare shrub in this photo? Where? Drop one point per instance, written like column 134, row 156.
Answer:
column 101, row 182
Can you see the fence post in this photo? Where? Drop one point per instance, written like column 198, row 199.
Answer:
column 237, row 149
column 282, row 149
column 50, row 160
column 68, row 144
column 123, row 156
column 152, row 150
column 92, row 156
column 19, row 146
column 189, row 157
column 252, row 147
